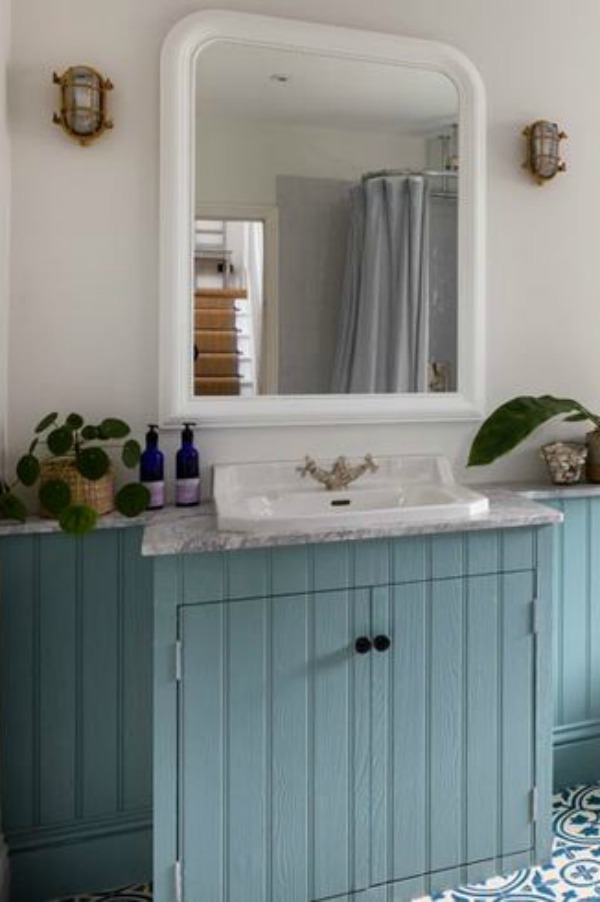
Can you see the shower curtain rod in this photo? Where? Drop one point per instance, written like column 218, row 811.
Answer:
column 383, row 173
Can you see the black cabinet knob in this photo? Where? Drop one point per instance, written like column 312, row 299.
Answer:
column 382, row 643
column 362, row 645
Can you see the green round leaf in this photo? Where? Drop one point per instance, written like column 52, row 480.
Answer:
column 55, row 496
column 74, row 421
column 113, row 428
column 60, row 440
column 132, row 499
column 78, row 518
column 89, row 433
column 28, row 469
column 47, row 421
column 12, row 508
column 92, row 463
column 131, row 453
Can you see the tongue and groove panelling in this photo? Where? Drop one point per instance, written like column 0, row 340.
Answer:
column 76, row 652
column 576, row 656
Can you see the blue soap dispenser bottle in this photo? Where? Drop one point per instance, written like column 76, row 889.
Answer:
column 187, row 470
column 152, row 469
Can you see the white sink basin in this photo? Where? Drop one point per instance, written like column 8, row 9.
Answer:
column 274, row 497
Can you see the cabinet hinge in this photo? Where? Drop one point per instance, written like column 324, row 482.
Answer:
column 534, row 804
column 178, row 883
column 535, row 608
column 178, row 661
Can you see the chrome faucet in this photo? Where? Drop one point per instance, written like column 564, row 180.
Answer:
column 341, row 474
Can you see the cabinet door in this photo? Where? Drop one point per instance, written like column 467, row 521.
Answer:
column 453, row 724
column 274, row 749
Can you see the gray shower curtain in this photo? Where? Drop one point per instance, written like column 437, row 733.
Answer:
column 383, row 334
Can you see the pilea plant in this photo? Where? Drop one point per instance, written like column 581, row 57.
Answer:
column 78, row 446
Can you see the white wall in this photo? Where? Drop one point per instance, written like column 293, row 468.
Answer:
column 4, row 299
column 84, row 297
column 238, row 163
column 4, row 217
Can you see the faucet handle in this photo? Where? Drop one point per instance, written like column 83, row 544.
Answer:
column 309, row 464
column 371, row 465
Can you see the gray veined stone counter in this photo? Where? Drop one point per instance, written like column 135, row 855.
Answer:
column 174, row 530
column 176, row 534
column 544, row 491
column 35, row 525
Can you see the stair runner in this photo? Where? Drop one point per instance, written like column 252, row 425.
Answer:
column 216, row 353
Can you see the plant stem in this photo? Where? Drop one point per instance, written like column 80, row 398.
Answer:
column 591, row 417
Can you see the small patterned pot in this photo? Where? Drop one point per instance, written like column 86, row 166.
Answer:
column 565, row 461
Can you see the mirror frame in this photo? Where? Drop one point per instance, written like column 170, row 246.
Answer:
column 180, row 51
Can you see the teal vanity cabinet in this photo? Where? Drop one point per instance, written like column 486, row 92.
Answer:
column 366, row 720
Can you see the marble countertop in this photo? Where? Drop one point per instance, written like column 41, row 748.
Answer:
column 199, row 533
column 547, row 491
column 114, row 520
column 175, row 530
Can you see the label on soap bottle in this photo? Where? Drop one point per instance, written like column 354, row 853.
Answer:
column 157, row 494
column 187, row 492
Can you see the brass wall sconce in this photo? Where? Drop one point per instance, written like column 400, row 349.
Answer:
column 82, row 103
column 543, row 149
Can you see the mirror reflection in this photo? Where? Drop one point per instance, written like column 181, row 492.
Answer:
column 325, row 242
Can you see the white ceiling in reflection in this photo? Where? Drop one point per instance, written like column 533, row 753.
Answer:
column 236, row 81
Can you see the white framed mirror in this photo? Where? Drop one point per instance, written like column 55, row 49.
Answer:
column 322, row 225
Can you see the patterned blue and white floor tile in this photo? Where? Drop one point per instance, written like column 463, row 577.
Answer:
column 574, row 872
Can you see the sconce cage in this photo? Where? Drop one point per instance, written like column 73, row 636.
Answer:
column 83, row 103
column 543, row 150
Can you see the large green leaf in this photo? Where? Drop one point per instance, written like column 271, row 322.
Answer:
column 48, row 420
column 60, row 440
column 132, row 499
column 55, row 496
column 131, row 453
column 28, row 469
column 78, row 518
column 93, row 463
column 12, row 508
column 111, row 427
column 513, row 421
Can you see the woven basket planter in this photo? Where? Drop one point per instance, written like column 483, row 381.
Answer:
column 98, row 493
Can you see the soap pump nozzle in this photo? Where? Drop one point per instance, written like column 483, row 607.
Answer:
column 187, row 435
column 152, row 434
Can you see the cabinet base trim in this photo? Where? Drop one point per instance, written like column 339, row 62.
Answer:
column 448, row 879
column 36, row 838
column 49, row 870
column 576, row 758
